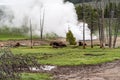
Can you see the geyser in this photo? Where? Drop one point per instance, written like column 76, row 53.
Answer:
column 58, row 16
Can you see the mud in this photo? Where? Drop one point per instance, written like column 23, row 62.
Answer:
column 105, row 71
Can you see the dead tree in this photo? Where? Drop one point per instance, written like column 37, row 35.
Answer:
column 115, row 34
column 101, row 23
column 110, row 26
column 116, row 30
column 83, row 14
column 31, row 39
column 102, row 26
column 91, row 27
column 42, row 19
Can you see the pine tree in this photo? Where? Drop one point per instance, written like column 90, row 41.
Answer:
column 70, row 38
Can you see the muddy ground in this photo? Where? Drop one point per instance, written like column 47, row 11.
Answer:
column 105, row 71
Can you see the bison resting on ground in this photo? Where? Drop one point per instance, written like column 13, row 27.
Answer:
column 81, row 43
column 17, row 44
column 57, row 44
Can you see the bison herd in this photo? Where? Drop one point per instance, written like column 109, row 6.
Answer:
column 60, row 44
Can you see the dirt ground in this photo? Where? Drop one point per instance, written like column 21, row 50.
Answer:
column 106, row 71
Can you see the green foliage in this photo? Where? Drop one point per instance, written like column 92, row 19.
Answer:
column 90, row 14
column 109, row 8
column 70, row 38
column 118, row 12
column 79, row 12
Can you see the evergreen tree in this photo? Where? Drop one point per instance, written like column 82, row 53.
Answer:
column 70, row 38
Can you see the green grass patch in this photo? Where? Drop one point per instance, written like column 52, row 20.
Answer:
column 35, row 76
column 69, row 56
column 6, row 36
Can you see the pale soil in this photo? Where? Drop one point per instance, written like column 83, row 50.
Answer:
column 26, row 43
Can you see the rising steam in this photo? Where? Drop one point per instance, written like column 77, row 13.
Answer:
column 58, row 16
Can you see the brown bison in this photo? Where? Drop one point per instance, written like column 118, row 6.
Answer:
column 81, row 43
column 17, row 44
column 57, row 44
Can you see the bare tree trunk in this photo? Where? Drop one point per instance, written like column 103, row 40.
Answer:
column 83, row 24
column 110, row 29
column 116, row 29
column 91, row 36
column 99, row 20
column 42, row 16
column 115, row 35
column 102, row 26
column 31, row 35
column 91, row 31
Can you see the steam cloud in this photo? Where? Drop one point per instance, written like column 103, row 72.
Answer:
column 59, row 16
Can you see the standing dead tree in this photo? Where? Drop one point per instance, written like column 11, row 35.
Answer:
column 116, row 33
column 117, row 25
column 42, row 19
column 110, row 24
column 83, row 14
column 100, row 11
column 102, row 25
column 31, row 39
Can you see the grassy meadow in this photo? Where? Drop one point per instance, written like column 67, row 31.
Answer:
column 35, row 76
column 11, row 37
column 69, row 56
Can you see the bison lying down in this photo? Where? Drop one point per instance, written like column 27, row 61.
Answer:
column 57, row 44
column 81, row 43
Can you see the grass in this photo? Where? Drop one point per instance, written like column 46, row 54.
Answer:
column 69, row 56
column 7, row 36
column 11, row 37
column 35, row 76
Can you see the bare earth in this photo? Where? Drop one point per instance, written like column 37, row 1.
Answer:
column 106, row 71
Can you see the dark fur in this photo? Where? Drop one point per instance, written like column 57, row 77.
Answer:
column 57, row 44
column 81, row 44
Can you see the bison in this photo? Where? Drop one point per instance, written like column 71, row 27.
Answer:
column 81, row 43
column 17, row 45
column 57, row 44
